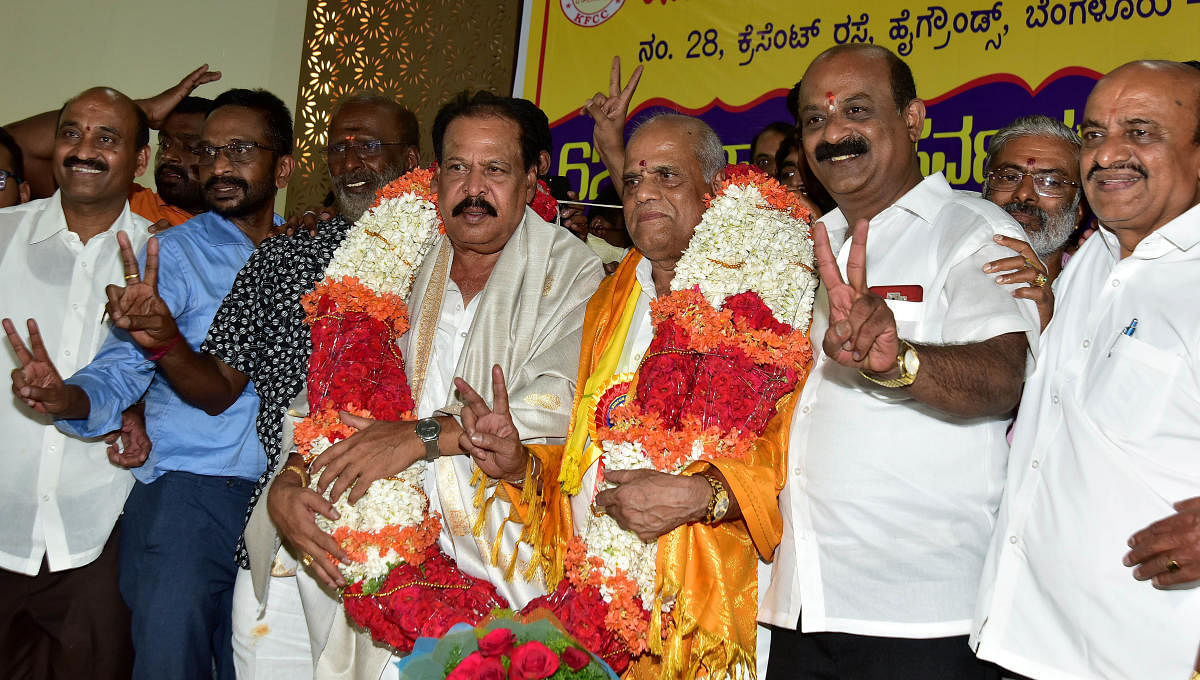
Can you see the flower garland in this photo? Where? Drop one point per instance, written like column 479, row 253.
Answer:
column 400, row 583
column 729, row 342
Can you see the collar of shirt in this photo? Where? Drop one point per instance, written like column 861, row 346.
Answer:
column 53, row 220
column 645, row 278
column 221, row 231
column 1182, row 233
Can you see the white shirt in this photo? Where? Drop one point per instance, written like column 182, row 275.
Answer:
column 61, row 495
column 1107, row 439
column 889, row 504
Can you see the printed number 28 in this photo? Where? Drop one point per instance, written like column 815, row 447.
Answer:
column 708, row 47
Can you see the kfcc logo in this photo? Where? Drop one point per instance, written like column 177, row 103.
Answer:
column 590, row 12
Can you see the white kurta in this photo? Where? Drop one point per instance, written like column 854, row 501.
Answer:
column 1107, row 439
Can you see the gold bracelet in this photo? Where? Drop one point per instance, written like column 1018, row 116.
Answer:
column 304, row 478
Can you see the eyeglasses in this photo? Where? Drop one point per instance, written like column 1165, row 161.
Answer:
column 368, row 149
column 167, row 143
column 1046, row 184
column 238, row 153
column 4, row 175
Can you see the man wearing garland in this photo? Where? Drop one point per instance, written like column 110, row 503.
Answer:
column 897, row 446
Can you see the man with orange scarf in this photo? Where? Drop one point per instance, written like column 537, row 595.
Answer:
column 715, row 520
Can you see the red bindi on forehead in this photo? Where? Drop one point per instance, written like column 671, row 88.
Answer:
column 1030, row 161
column 643, row 163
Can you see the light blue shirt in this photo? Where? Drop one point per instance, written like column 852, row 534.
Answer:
column 198, row 261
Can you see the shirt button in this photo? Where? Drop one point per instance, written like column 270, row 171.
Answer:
column 797, row 471
column 462, row 334
column 806, row 410
column 1054, row 399
column 1012, row 539
column 74, row 306
column 1034, row 465
column 67, row 352
column 45, row 498
column 1116, row 282
column 1087, row 343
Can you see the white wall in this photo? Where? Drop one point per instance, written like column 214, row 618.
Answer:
column 52, row 49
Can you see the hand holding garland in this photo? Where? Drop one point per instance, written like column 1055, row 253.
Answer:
column 379, row 449
column 651, row 503
column 293, row 507
column 489, row 434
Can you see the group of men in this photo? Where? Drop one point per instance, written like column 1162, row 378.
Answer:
column 909, row 538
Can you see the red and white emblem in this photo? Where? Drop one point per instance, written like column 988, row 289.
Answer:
column 588, row 13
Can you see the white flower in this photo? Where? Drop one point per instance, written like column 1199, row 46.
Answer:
column 742, row 244
column 385, row 248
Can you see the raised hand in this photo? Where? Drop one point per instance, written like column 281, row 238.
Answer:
column 1025, row 267
column 158, row 107
column 36, row 382
column 136, row 306
column 609, row 113
column 862, row 330
column 489, row 434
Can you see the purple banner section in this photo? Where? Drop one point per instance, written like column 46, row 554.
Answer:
column 954, row 141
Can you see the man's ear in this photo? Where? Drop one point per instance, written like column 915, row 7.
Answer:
column 143, row 161
column 283, row 170
column 23, row 192
column 412, row 159
column 532, row 176
column 914, row 119
column 715, row 183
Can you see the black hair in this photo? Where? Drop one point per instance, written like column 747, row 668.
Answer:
column 533, row 123
column 189, row 104
column 278, row 117
column 14, row 150
column 778, row 126
column 793, row 102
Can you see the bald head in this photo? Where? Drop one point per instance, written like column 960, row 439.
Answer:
column 1141, row 147
column 900, row 77
column 124, row 105
column 693, row 133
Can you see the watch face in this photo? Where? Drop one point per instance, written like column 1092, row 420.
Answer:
column 911, row 362
column 721, row 507
column 428, row 428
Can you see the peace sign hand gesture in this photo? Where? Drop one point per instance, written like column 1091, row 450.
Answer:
column 137, row 307
column 610, row 112
column 36, row 382
column 489, row 434
column 862, row 331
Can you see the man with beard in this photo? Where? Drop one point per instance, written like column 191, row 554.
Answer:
column 896, row 445
column 1101, row 494
column 1033, row 173
column 184, row 515
column 61, row 614
column 372, row 141
column 178, row 118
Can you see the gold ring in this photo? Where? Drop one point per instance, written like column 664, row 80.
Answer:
column 306, row 559
column 1173, row 566
column 1040, row 280
column 132, row 276
column 598, row 511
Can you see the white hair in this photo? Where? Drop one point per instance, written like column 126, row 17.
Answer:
column 709, row 151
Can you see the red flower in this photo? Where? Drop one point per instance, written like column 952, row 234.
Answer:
column 499, row 642
column 532, row 661
column 575, row 658
column 478, row 666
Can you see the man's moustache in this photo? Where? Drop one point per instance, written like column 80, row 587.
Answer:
column 77, row 162
column 477, row 202
column 1096, row 167
column 1015, row 207
column 853, row 146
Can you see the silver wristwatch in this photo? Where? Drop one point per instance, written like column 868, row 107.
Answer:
column 428, row 430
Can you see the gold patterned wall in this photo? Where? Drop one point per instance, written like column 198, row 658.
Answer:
column 419, row 51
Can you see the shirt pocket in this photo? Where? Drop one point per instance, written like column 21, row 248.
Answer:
column 1130, row 388
column 909, row 317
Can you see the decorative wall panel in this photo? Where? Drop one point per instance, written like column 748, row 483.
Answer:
column 420, row 51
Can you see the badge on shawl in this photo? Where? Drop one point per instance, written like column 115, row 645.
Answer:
column 612, row 394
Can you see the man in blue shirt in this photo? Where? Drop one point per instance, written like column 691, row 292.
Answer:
column 184, row 516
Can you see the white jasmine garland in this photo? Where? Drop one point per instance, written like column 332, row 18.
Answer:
column 386, row 246
column 741, row 244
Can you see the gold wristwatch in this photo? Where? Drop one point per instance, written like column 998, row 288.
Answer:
column 718, row 505
column 909, row 364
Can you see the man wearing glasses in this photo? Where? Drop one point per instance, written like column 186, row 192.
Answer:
column 1033, row 173
column 184, row 515
column 14, row 190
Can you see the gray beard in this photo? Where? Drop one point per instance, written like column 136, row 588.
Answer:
column 354, row 206
column 1055, row 231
